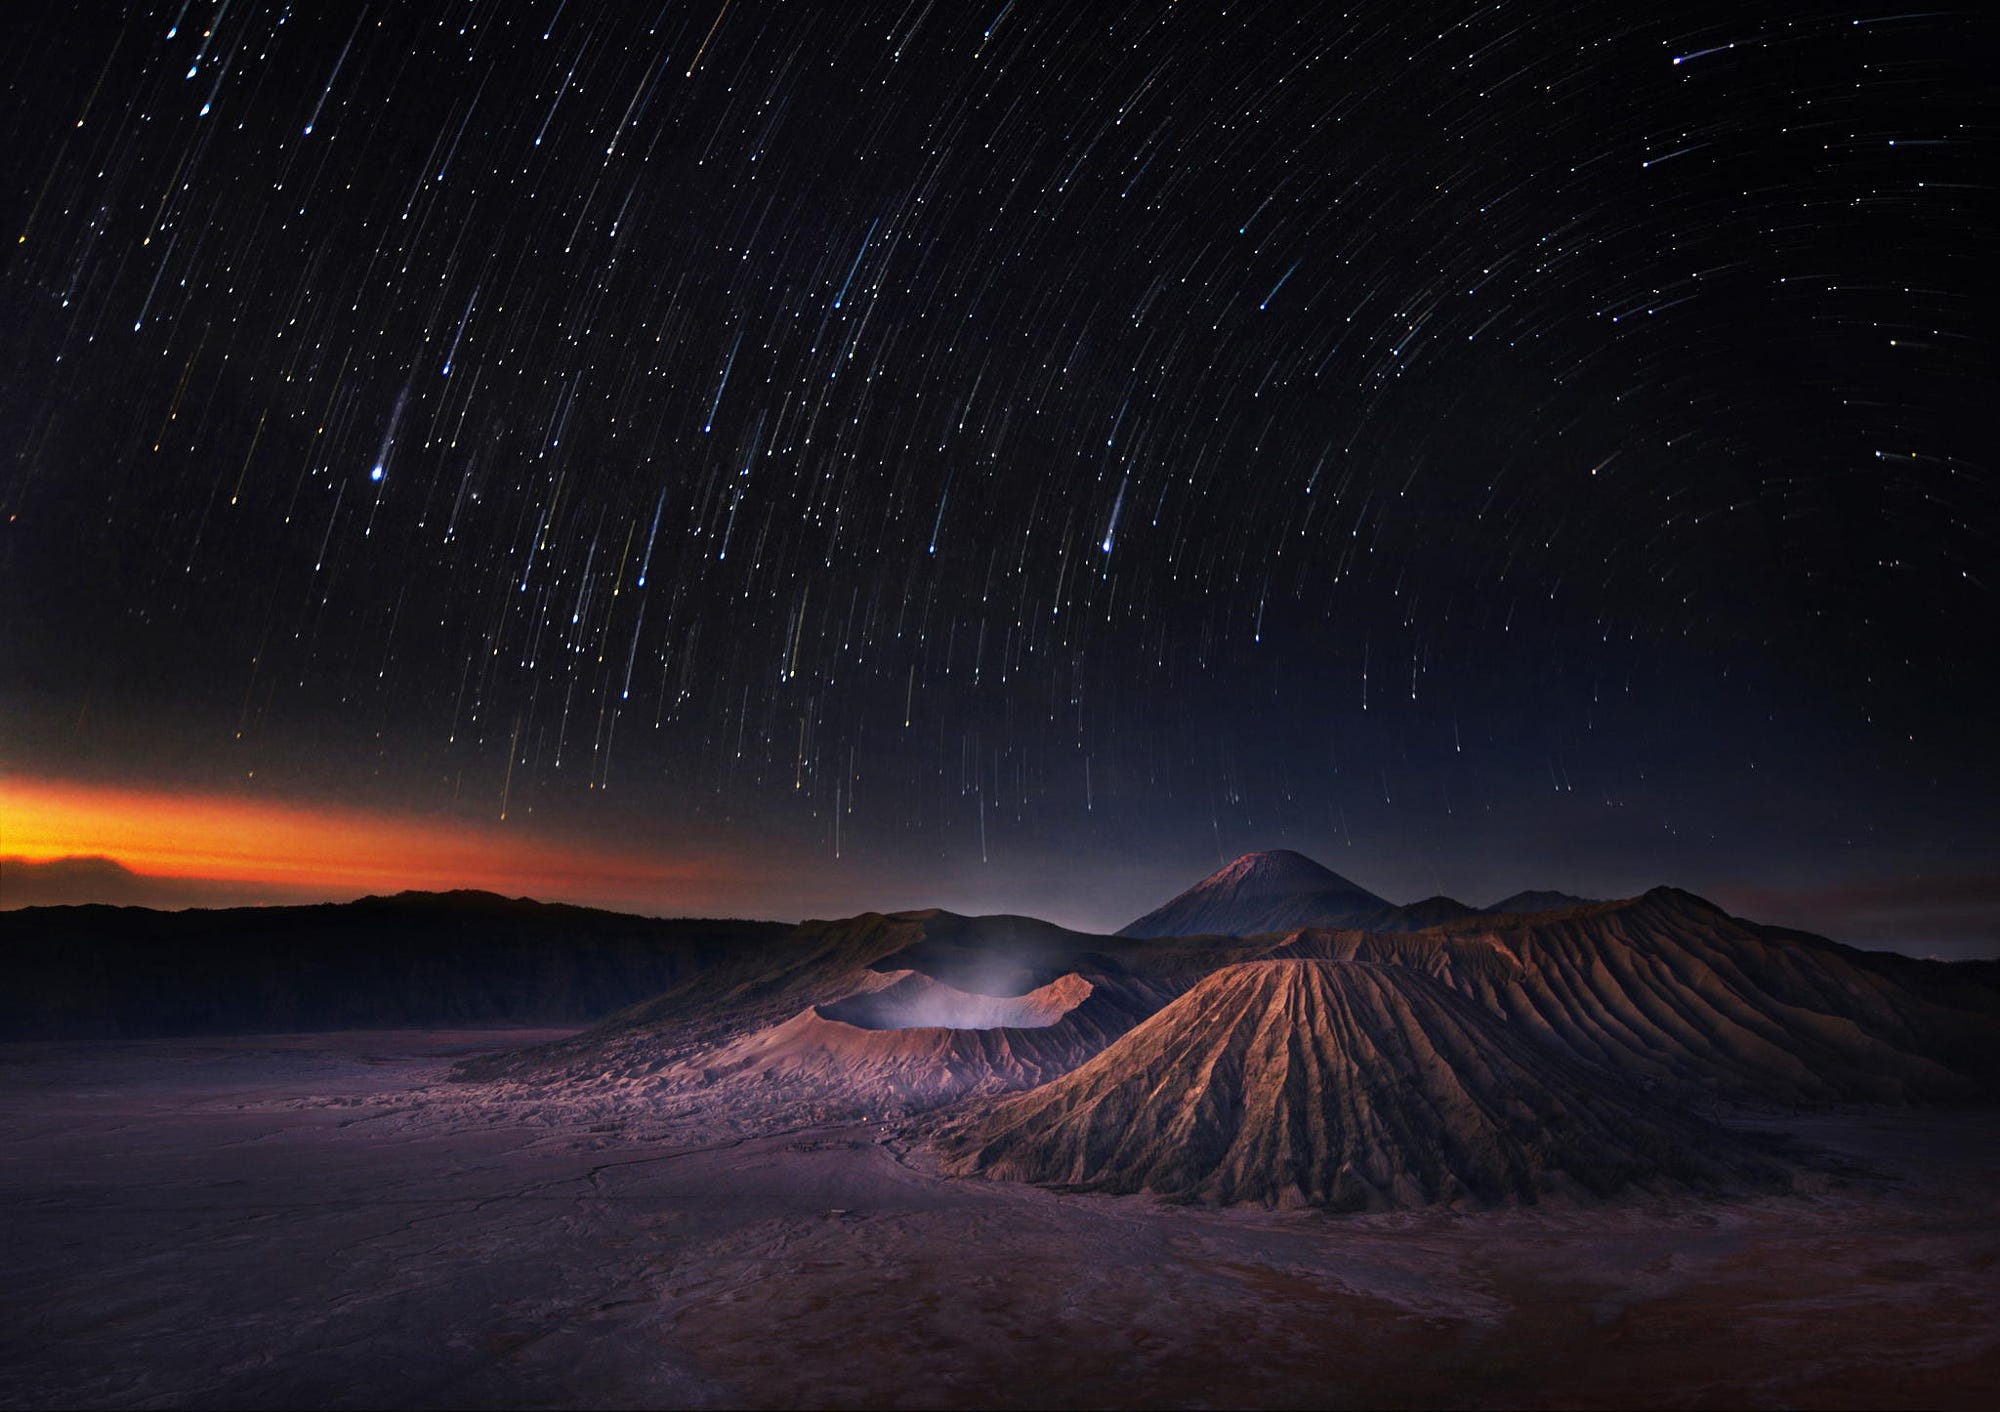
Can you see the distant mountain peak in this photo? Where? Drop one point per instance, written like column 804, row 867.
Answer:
column 1276, row 868
column 1260, row 892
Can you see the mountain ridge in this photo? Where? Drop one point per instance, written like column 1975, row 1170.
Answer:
column 99, row 971
column 1277, row 889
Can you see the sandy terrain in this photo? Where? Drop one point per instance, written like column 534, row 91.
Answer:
column 310, row 1220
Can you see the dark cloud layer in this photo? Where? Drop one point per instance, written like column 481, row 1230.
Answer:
column 68, row 882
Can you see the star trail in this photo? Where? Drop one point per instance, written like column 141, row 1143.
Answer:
column 1488, row 445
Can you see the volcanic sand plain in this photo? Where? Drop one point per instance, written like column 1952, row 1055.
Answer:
column 323, row 1220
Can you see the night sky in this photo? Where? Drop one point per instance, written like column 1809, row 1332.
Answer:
column 1014, row 455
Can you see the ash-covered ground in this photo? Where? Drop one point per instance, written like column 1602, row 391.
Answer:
column 321, row 1220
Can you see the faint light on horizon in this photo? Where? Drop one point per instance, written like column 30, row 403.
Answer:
column 166, row 833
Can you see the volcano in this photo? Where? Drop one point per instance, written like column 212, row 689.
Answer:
column 872, row 1014
column 907, row 1040
column 1348, row 1085
column 1682, row 1001
column 1673, row 992
column 1263, row 892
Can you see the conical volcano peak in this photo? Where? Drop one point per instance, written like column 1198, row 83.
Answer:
column 1274, row 870
column 1262, row 892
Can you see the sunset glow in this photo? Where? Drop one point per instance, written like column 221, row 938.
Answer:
column 332, row 850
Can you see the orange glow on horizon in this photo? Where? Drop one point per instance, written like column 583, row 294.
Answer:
column 172, row 834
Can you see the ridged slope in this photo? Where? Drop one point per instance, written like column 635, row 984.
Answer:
column 1672, row 991
column 1340, row 1084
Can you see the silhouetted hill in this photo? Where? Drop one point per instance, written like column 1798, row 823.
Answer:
column 412, row 959
column 1416, row 916
column 1537, row 901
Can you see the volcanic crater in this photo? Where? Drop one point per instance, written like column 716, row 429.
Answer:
column 915, row 1001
